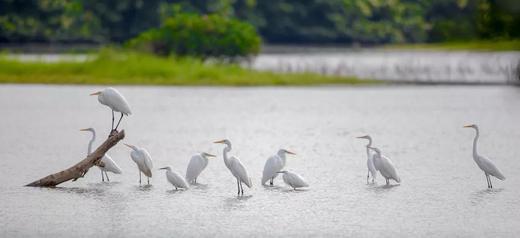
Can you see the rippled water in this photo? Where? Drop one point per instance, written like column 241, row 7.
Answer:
column 442, row 194
column 401, row 66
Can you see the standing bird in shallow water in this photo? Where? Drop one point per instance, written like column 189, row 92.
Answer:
column 175, row 179
column 236, row 167
column 294, row 180
column 109, row 164
column 196, row 165
column 274, row 165
column 110, row 97
column 143, row 160
column 484, row 163
column 370, row 159
column 385, row 166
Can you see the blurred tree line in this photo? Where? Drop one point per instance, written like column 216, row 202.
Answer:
column 277, row 21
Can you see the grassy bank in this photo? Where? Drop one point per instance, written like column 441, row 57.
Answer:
column 509, row 45
column 130, row 68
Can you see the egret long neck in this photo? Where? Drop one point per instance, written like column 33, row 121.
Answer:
column 225, row 156
column 91, row 142
column 475, row 153
column 282, row 156
column 369, row 145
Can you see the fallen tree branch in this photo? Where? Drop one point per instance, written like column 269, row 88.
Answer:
column 81, row 168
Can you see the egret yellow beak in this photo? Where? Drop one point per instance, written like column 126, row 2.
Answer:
column 163, row 168
column 219, row 142
column 466, row 126
column 83, row 129
column 289, row 152
column 210, row 155
column 131, row 146
column 96, row 93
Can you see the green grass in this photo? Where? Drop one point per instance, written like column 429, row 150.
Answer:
column 130, row 68
column 500, row 45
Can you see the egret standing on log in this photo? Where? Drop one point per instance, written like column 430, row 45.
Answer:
column 235, row 166
column 484, row 163
column 196, row 165
column 143, row 160
column 370, row 159
column 274, row 165
column 112, row 98
column 385, row 166
column 109, row 164
column 175, row 179
column 294, row 180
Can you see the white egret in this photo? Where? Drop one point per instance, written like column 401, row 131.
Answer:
column 109, row 164
column 385, row 166
column 143, row 160
column 370, row 159
column 294, row 180
column 116, row 101
column 484, row 163
column 175, row 179
column 196, row 165
column 236, row 167
column 273, row 165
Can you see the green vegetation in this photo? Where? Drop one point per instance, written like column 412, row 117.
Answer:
column 199, row 36
column 506, row 45
column 279, row 21
column 111, row 67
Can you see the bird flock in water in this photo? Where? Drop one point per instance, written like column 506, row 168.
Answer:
column 376, row 161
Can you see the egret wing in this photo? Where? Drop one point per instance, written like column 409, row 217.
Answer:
column 489, row 167
column 176, row 179
column 110, row 165
column 388, row 168
column 294, row 180
column 271, row 167
column 195, row 167
column 240, row 171
column 116, row 101
column 148, row 165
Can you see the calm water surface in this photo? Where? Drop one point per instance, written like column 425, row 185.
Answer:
column 442, row 194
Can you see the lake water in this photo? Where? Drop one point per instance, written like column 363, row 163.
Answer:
column 443, row 193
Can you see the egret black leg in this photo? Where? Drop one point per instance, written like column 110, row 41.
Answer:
column 139, row 177
column 487, row 179
column 387, row 182
column 368, row 176
column 238, row 187
column 119, row 121
column 490, row 184
column 148, row 180
column 102, row 178
column 106, row 174
column 271, row 182
column 112, row 128
column 241, row 188
column 195, row 180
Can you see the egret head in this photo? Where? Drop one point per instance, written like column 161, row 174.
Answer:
column 471, row 126
column 284, row 151
column 207, row 155
column 96, row 93
column 166, row 168
column 224, row 141
column 88, row 129
column 366, row 137
column 133, row 147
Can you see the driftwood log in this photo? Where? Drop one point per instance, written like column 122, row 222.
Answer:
column 81, row 168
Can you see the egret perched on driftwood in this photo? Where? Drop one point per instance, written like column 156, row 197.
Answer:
column 273, row 165
column 294, row 180
column 196, row 165
column 109, row 164
column 175, row 179
column 236, row 167
column 385, row 166
column 370, row 159
column 116, row 101
column 143, row 160
column 484, row 163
